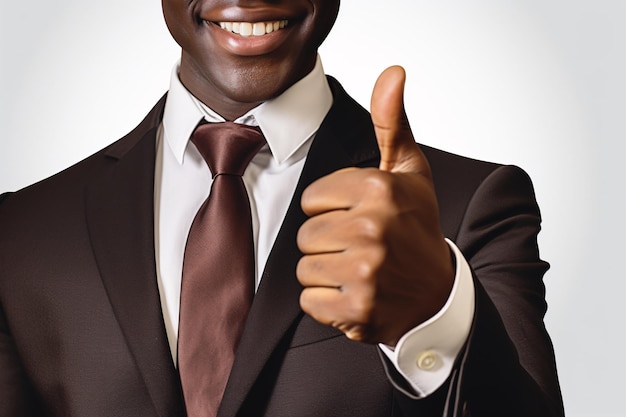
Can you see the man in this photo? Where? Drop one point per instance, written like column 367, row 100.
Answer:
column 362, row 307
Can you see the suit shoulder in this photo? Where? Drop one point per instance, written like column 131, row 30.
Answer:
column 65, row 189
column 449, row 165
column 82, row 170
column 457, row 179
column 468, row 173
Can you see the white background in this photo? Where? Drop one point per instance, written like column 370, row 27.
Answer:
column 536, row 83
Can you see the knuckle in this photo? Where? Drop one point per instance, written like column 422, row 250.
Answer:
column 365, row 268
column 368, row 227
column 379, row 185
column 362, row 306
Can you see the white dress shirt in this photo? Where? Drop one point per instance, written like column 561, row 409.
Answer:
column 424, row 356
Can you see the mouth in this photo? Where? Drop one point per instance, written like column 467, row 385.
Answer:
column 247, row 29
column 252, row 37
column 253, row 31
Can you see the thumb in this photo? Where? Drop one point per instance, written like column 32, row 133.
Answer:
column 398, row 150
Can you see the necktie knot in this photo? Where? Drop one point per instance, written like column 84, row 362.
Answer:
column 227, row 147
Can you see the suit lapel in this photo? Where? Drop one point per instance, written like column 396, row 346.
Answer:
column 344, row 139
column 120, row 217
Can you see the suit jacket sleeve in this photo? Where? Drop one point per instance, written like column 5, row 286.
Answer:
column 507, row 366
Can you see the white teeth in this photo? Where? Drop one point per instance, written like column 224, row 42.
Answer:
column 245, row 29
column 258, row 29
column 253, row 29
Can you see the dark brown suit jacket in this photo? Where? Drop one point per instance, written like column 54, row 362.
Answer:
column 81, row 327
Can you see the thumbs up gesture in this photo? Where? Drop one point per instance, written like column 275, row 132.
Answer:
column 375, row 262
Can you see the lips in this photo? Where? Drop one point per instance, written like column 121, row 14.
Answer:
column 246, row 29
column 254, row 30
column 243, row 38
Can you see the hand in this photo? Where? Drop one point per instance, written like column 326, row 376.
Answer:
column 375, row 262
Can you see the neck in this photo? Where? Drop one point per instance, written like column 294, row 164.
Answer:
column 219, row 102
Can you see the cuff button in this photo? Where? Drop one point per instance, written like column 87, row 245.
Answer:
column 427, row 360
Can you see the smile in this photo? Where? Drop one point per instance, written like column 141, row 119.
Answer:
column 246, row 29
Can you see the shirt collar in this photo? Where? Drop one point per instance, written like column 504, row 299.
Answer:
column 286, row 121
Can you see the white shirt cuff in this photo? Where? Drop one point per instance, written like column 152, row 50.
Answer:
column 425, row 355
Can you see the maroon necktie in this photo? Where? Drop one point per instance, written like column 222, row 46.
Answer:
column 218, row 268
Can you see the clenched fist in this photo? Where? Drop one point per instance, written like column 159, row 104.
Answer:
column 375, row 262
